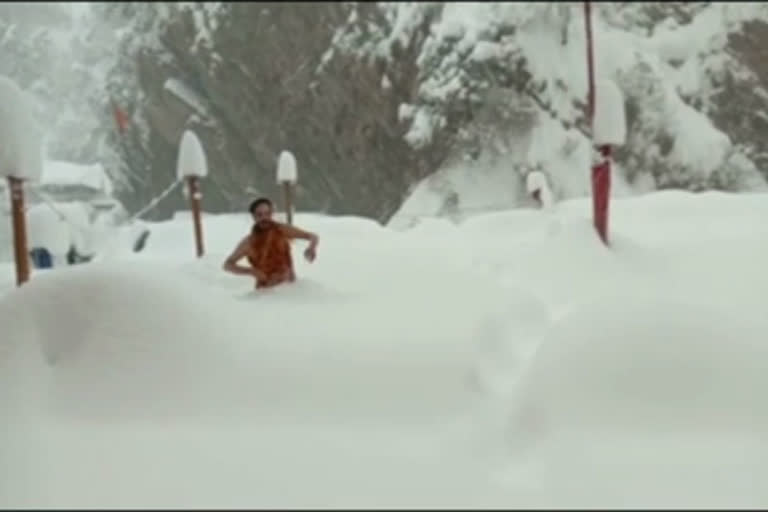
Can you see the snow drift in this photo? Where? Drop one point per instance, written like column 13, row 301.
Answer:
column 655, row 398
column 508, row 360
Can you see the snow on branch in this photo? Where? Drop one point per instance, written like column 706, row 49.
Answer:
column 186, row 95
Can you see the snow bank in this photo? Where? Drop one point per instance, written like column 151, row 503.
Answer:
column 507, row 361
column 655, row 387
column 120, row 340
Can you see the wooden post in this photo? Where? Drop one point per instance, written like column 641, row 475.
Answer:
column 288, row 199
column 195, row 197
column 20, row 250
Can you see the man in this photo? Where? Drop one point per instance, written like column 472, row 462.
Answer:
column 268, row 248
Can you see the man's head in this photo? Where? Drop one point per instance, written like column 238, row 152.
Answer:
column 261, row 209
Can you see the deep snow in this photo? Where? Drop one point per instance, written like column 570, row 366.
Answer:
column 509, row 360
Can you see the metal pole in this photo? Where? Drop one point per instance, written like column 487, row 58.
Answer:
column 601, row 171
column 288, row 198
column 21, row 253
column 590, row 63
column 601, row 186
column 195, row 197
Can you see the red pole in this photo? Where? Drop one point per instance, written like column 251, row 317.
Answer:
column 193, row 186
column 601, row 192
column 601, row 171
column 20, row 251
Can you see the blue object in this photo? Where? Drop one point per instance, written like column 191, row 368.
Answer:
column 41, row 258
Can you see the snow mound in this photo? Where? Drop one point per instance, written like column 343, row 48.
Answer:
column 656, row 394
column 698, row 368
column 119, row 339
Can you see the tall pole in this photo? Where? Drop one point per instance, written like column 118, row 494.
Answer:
column 590, row 63
column 195, row 197
column 16, row 187
column 601, row 168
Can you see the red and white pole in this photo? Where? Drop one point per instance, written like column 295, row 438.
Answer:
column 601, row 168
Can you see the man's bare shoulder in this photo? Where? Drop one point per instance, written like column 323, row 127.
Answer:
column 286, row 229
column 244, row 242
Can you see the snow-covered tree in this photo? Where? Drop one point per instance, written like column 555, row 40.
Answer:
column 372, row 98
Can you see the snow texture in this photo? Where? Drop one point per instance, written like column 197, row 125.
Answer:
column 20, row 151
column 191, row 160
column 286, row 168
column 609, row 124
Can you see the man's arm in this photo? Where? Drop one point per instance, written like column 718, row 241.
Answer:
column 230, row 264
column 296, row 233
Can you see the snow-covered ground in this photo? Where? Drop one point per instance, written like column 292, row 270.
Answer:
column 506, row 361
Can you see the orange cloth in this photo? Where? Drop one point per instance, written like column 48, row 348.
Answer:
column 270, row 252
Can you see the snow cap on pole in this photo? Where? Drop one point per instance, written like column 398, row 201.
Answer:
column 191, row 161
column 286, row 168
column 20, row 150
column 609, row 124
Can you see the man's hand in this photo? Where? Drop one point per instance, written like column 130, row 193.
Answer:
column 230, row 264
column 295, row 233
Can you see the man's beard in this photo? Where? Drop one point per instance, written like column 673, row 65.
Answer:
column 263, row 224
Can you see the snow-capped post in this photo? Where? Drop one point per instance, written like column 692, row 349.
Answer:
column 287, row 176
column 191, row 166
column 538, row 188
column 608, row 131
column 20, row 161
column 611, row 116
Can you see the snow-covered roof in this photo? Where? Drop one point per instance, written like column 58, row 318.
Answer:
column 58, row 173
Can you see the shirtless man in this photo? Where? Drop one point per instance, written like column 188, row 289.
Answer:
column 268, row 248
